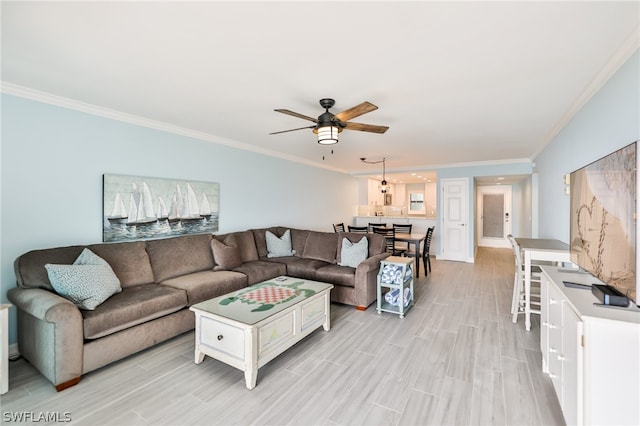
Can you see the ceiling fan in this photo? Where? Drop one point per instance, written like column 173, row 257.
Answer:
column 328, row 125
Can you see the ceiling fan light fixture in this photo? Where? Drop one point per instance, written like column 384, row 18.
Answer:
column 328, row 135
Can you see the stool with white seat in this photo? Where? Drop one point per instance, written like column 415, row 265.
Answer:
column 519, row 301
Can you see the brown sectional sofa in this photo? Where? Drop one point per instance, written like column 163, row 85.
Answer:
column 160, row 279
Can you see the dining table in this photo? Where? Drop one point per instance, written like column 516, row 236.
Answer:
column 415, row 239
column 539, row 249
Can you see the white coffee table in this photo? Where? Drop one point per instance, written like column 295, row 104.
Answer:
column 248, row 328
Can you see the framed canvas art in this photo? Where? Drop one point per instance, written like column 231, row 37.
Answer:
column 137, row 207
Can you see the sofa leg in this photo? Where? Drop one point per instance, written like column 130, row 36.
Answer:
column 67, row 384
column 361, row 308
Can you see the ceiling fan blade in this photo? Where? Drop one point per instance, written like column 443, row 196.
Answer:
column 356, row 111
column 292, row 130
column 295, row 114
column 366, row 127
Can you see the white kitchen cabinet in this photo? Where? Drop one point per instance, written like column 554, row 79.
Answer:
column 591, row 352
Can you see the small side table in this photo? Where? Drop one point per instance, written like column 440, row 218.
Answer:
column 4, row 348
column 405, row 280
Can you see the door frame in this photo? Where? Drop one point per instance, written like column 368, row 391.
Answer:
column 507, row 192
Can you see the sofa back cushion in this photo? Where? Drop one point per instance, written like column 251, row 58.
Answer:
column 376, row 242
column 259, row 235
column 129, row 261
column 321, row 246
column 172, row 257
column 29, row 267
column 226, row 254
column 245, row 242
column 298, row 240
column 352, row 254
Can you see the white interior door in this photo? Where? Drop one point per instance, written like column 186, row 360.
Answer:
column 494, row 215
column 455, row 219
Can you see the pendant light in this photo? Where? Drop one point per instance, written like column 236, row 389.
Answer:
column 384, row 181
column 383, row 184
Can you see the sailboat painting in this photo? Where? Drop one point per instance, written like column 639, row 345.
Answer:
column 135, row 207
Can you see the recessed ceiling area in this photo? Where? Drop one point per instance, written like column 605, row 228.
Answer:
column 501, row 180
column 404, row 177
column 456, row 82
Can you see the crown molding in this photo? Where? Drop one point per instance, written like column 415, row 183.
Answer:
column 617, row 60
column 68, row 103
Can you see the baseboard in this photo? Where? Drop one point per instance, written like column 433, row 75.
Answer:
column 13, row 351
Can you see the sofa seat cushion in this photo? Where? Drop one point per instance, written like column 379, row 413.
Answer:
column 173, row 257
column 302, row 268
column 261, row 270
column 205, row 285
column 338, row 275
column 134, row 305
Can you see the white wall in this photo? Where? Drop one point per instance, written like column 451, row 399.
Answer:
column 609, row 121
column 53, row 160
column 525, row 217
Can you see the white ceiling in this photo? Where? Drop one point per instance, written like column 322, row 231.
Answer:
column 456, row 82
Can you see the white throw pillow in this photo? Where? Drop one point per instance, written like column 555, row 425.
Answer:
column 353, row 254
column 87, row 283
column 279, row 247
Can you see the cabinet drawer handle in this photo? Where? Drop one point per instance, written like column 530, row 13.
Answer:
column 552, row 301
column 544, row 323
column 561, row 358
column 552, row 326
column 220, row 336
column 552, row 351
column 553, row 376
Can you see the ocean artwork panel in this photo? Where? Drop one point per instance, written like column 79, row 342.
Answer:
column 137, row 207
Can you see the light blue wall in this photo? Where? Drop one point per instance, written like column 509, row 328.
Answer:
column 53, row 160
column 609, row 121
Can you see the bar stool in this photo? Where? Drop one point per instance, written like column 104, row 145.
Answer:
column 518, row 301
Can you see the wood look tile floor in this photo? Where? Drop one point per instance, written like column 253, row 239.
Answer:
column 455, row 359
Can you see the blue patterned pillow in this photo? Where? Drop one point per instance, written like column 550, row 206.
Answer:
column 87, row 283
column 279, row 247
column 352, row 254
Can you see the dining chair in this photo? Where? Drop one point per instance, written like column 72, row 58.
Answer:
column 338, row 227
column 358, row 229
column 426, row 260
column 404, row 228
column 518, row 300
column 390, row 239
column 376, row 225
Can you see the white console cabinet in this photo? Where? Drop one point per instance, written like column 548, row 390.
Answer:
column 591, row 352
